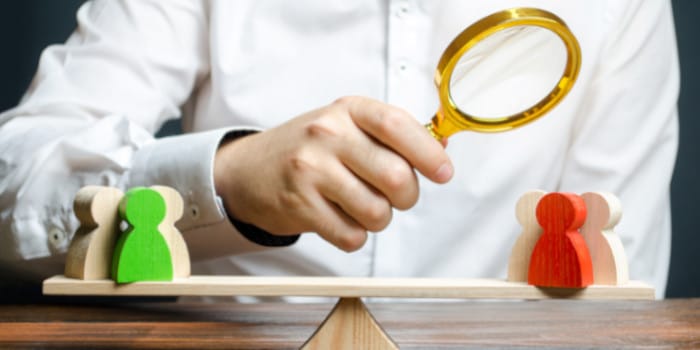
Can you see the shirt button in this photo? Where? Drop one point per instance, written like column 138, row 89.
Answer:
column 194, row 211
column 401, row 66
column 57, row 237
column 403, row 8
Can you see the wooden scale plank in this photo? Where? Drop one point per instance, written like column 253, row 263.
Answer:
column 343, row 287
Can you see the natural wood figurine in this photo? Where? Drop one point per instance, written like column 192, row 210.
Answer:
column 607, row 253
column 519, row 260
column 142, row 253
column 90, row 251
column 560, row 257
column 178, row 248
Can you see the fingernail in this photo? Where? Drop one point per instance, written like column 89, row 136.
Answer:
column 444, row 173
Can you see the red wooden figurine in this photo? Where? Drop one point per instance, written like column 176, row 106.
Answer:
column 560, row 257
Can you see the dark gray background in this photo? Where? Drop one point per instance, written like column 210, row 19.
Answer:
column 27, row 26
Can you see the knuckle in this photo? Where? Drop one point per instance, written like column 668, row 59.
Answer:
column 321, row 127
column 407, row 200
column 352, row 241
column 344, row 101
column 293, row 200
column 389, row 121
column 397, row 177
column 400, row 185
column 324, row 228
column 328, row 127
column 300, row 170
column 377, row 215
column 300, row 161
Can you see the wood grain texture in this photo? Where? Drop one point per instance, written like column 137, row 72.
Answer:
column 560, row 257
column 607, row 253
column 178, row 248
column 519, row 261
column 343, row 287
column 349, row 326
column 90, row 251
column 544, row 324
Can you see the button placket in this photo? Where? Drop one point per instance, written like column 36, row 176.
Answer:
column 409, row 45
column 401, row 47
column 405, row 50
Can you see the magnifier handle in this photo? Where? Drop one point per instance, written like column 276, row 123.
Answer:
column 441, row 128
column 431, row 129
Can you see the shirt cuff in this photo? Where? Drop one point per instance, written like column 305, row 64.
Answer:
column 186, row 163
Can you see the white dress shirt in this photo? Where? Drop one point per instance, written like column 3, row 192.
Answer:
column 91, row 111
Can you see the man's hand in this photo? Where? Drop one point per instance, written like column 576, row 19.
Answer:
column 337, row 171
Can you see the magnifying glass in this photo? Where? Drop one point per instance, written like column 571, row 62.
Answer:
column 504, row 71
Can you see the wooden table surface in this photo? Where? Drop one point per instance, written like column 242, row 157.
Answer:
column 428, row 324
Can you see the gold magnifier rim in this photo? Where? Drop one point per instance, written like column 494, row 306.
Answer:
column 450, row 119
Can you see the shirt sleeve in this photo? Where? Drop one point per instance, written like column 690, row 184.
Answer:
column 626, row 136
column 89, row 117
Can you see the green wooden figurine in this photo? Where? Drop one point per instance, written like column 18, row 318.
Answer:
column 141, row 253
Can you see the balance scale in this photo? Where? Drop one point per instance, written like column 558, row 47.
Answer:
column 349, row 325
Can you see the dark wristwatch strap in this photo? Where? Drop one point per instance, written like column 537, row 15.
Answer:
column 262, row 237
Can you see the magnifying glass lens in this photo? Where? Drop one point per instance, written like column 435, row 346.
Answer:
column 508, row 72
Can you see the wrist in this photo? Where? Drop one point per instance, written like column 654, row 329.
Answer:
column 224, row 166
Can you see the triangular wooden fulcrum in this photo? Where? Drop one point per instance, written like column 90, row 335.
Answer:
column 349, row 326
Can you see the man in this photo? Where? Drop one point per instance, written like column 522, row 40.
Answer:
column 348, row 166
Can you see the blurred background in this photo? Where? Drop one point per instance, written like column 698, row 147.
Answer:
column 27, row 26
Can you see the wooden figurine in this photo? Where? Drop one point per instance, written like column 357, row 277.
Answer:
column 178, row 248
column 519, row 260
column 607, row 253
column 90, row 251
column 560, row 257
column 142, row 253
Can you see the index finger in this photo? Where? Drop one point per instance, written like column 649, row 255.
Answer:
column 398, row 130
